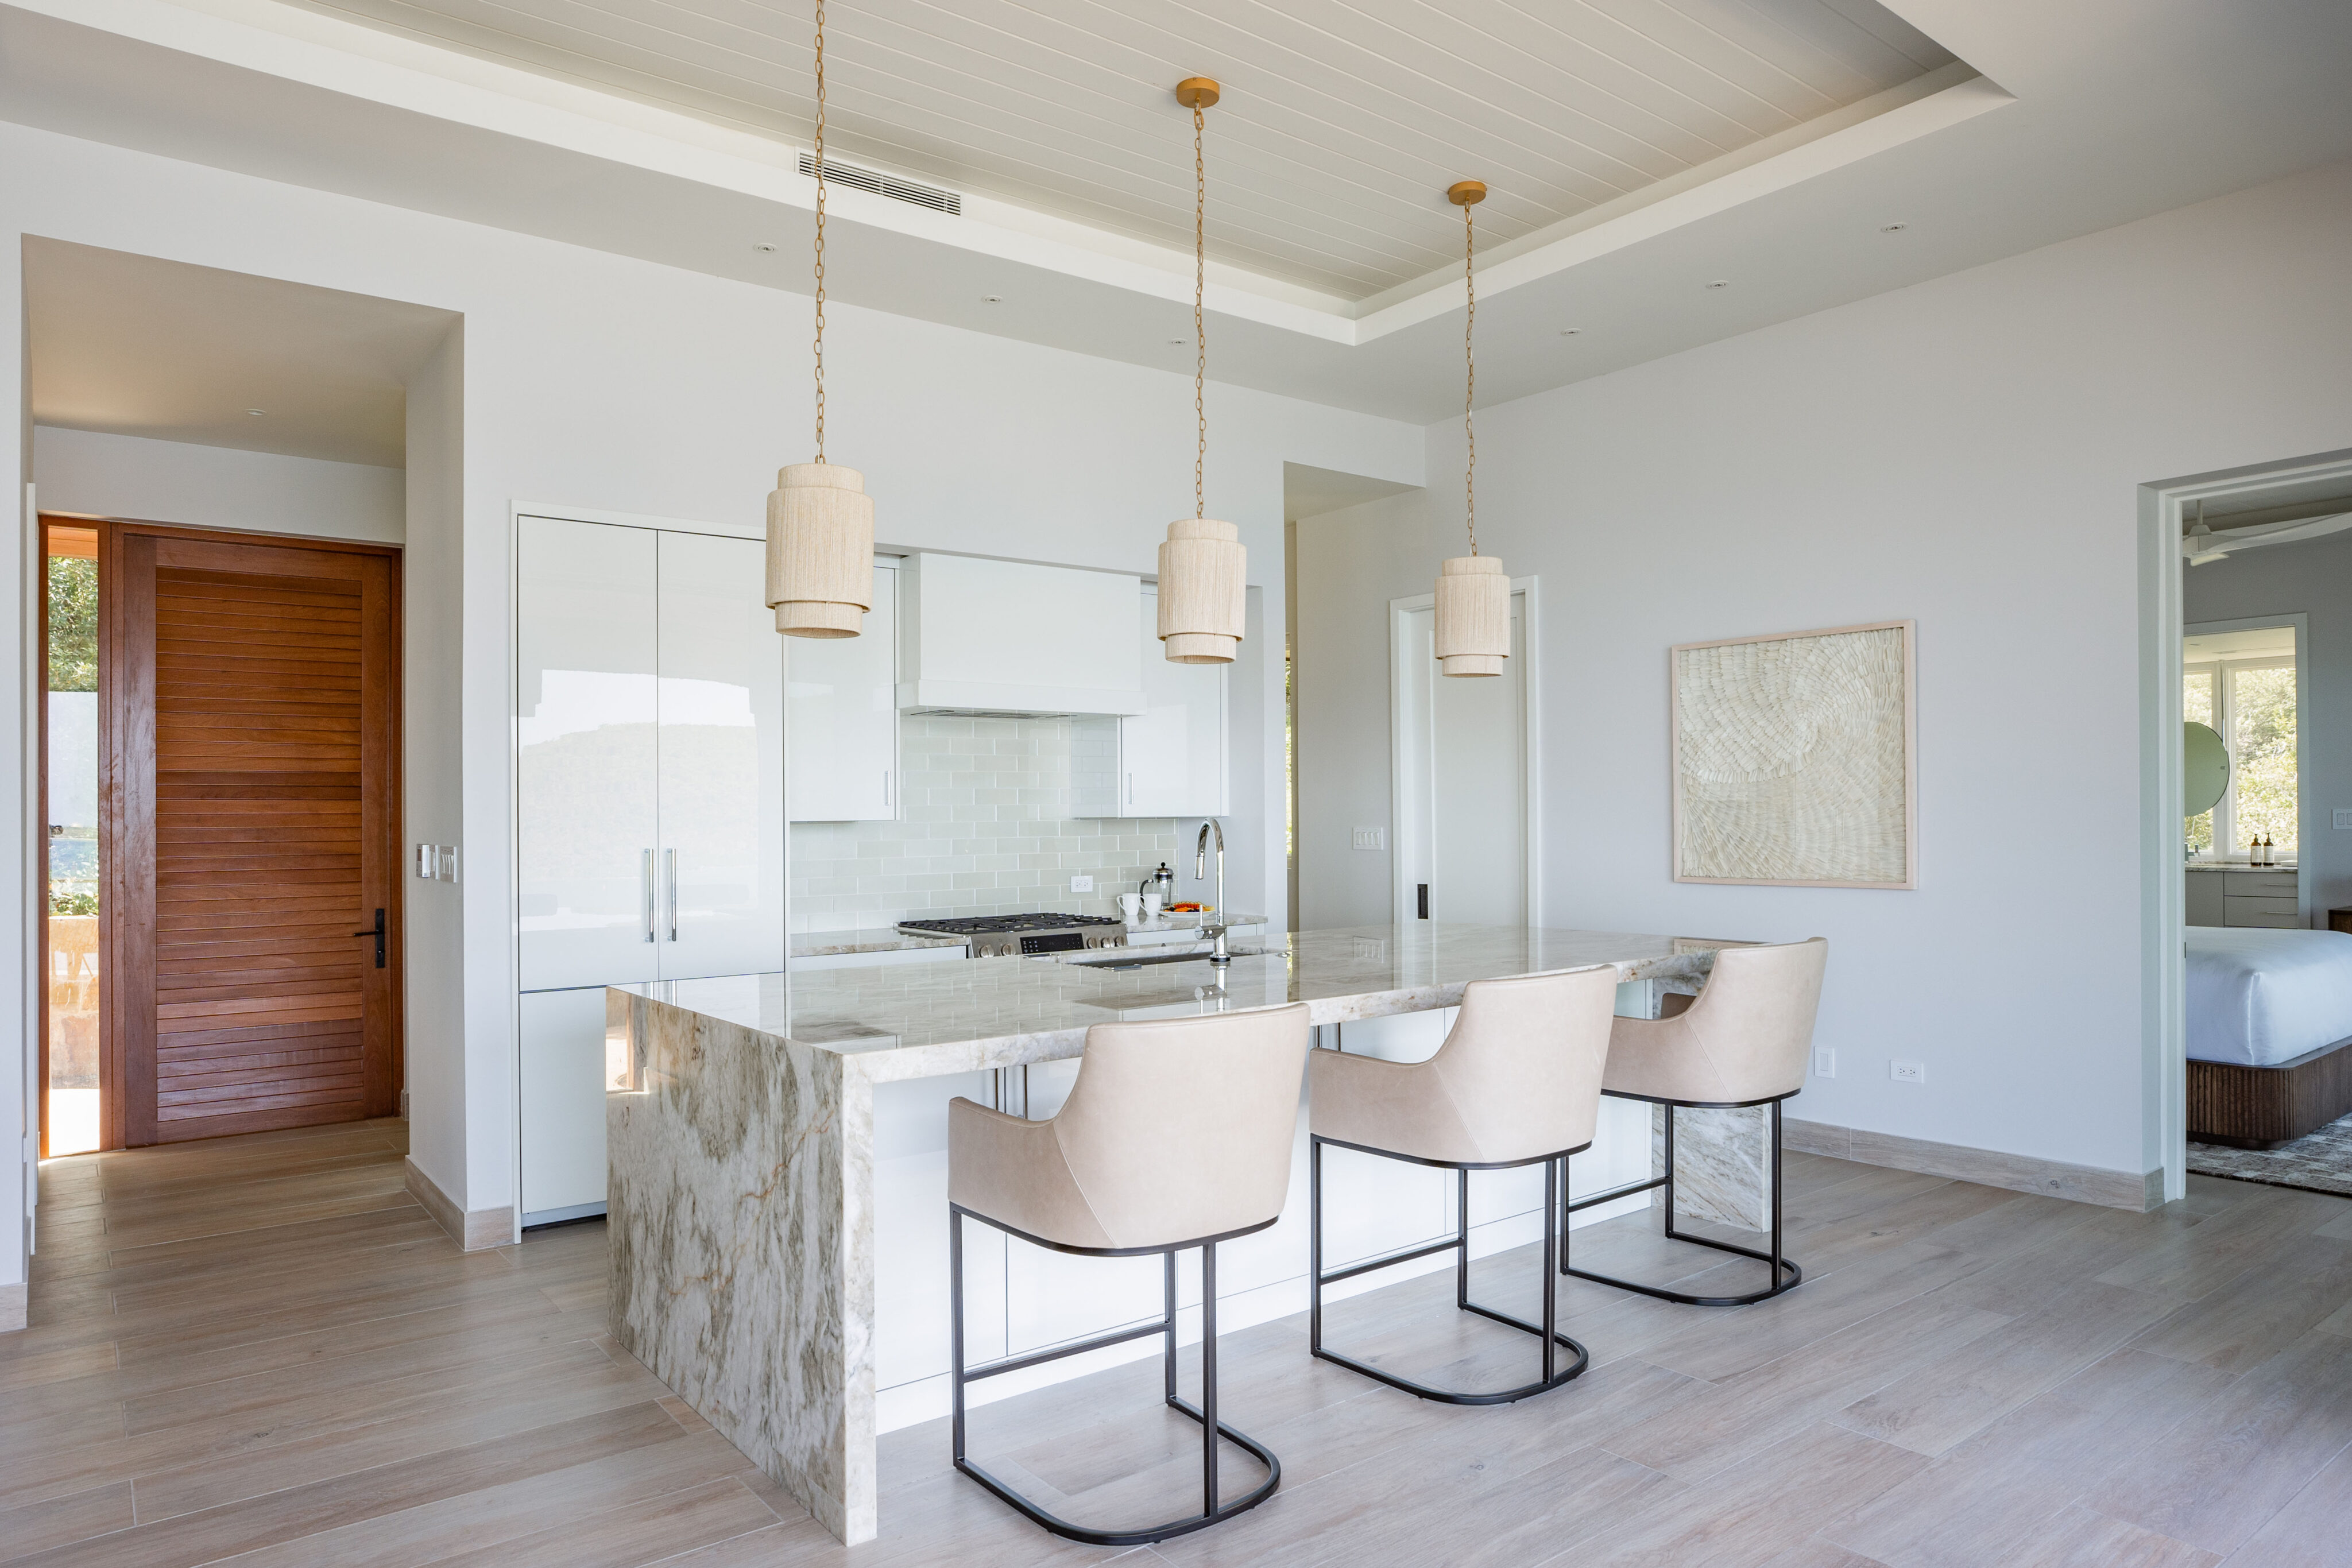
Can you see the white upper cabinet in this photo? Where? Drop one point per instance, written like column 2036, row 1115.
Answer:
column 649, row 755
column 1172, row 754
column 719, row 698
column 588, row 830
column 844, row 752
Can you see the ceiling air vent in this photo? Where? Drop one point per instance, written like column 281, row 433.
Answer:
column 888, row 185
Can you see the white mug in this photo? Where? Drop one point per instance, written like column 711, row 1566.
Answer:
column 1151, row 906
column 1130, row 907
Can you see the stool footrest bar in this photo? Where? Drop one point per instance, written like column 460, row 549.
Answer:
column 1448, row 1245
column 1614, row 1193
column 1039, row 1358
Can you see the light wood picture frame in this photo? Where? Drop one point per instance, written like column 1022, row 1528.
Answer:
column 1795, row 758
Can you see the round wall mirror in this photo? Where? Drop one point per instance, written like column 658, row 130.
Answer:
column 2204, row 769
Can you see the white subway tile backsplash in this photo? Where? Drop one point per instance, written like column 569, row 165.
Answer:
column 986, row 829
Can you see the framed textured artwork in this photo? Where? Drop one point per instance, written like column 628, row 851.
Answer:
column 1794, row 759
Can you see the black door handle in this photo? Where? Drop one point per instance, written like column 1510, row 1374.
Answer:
column 376, row 931
column 1424, row 899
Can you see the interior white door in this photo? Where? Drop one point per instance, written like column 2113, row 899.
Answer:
column 1172, row 754
column 844, row 757
column 585, row 757
column 1462, row 782
column 721, row 705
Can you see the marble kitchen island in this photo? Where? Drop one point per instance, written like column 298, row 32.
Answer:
column 744, row 1139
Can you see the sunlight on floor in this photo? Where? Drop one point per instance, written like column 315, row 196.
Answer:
column 73, row 1121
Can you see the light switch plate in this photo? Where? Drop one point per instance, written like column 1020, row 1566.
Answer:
column 1907, row 1071
column 1371, row 838
column 1082, row 884
column 2344, row 817
column 1825, row 1063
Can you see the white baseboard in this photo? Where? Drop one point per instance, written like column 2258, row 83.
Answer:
column 470, row 1229
column 2135, row 1190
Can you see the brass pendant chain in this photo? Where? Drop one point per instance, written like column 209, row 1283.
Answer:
column 1200, row 333
column 1469, row 387
column 820, row 231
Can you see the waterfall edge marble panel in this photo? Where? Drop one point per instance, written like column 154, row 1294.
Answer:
column 742, row 1270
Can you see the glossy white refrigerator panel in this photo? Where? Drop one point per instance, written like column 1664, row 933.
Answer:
column 567, row 1064
column 843, row 760
column 720, row 784
column 587, row 827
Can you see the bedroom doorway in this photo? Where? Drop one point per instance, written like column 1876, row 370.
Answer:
column 2250, row 617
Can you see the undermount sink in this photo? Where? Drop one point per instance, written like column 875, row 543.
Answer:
column 1128, row 959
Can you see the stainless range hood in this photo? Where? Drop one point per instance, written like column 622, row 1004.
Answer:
column 1000, row 637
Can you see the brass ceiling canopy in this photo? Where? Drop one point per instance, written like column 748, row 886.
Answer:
column 1462, row 193
column 1197, row 92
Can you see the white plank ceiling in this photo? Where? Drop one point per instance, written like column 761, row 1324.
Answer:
column 1342, row 126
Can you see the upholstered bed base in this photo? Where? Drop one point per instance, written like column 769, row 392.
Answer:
column 2262, row 1107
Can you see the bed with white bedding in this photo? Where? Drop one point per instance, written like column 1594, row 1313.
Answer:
column 2270, row 1033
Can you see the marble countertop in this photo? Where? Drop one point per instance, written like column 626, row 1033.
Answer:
column 922, row 1020
column 877, row 939
column 2234, row 866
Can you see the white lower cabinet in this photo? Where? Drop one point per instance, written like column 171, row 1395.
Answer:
column 567, row 1062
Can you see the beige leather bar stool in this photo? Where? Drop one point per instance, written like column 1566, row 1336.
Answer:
column 1177, row 1133
column 1518, row 1082
column 1742, row 1041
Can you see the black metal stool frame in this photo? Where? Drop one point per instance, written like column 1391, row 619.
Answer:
column 1211, row 1510
column 1554, row 1245
column 1781, row 1265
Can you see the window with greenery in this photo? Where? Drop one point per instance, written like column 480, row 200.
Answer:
column 2250, row 701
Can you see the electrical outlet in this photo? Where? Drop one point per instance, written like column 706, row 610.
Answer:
column 1825, row 1063
column 1907, row 1071
column 1371, row 838
column 1082, row 884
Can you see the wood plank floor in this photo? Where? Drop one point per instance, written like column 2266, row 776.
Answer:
column 259, row 1349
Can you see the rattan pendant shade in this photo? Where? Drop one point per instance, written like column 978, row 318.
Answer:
column 1474, row 593
column 820, row 519
column 1204, row 567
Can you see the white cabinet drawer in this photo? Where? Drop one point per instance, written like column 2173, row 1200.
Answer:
column 2258, row 883
column 2237, row 907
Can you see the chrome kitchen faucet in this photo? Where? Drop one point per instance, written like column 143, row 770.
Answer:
column 1218, row 955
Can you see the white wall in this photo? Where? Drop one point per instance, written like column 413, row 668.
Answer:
column 599, row 381
column 1965, row 451
column 214, row 486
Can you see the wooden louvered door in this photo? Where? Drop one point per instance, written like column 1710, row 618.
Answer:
column 251, row 770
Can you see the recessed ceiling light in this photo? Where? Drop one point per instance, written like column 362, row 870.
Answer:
column 991, row 299
column 1570, row 331
column 1891, row 228
column 1178, row 342
column 1720, row 283
column 255, row 413
column 765, row 249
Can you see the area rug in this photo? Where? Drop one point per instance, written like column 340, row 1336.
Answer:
column 2320, row 1161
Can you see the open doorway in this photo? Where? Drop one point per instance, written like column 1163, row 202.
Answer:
column 1464, row 765
column 2256, row 595
column 71, row 1073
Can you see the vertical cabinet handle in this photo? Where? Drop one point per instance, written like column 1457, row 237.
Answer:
column 1423, row 899
column 646, row 870
column 1130, row 788
column 669, row 870
column 886, row 786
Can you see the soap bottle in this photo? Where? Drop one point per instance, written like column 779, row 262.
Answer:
column 2270, row 851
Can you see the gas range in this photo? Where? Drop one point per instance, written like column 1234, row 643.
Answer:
column 998, row 935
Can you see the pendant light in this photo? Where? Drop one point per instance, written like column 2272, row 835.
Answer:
column 1473, row 594
column 820, row 519
column 1203, row 596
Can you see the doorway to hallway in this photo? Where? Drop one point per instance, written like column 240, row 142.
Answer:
column 1464, row 758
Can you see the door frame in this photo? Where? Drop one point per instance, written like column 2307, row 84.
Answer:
column 111, row 532
column 2164, row 506
column 1525, row 589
